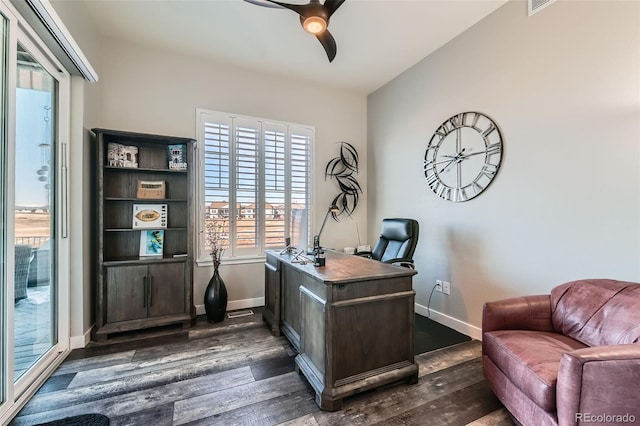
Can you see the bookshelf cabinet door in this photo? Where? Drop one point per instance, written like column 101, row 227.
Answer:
column 126, row 293
column 166, row 282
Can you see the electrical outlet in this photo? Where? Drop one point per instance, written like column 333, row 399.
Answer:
column 446, row 287
column 439, row 286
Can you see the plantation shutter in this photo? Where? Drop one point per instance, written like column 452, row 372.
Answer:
column 300, row 183
column 217, row 186
column 275, row 184
column 246, row 184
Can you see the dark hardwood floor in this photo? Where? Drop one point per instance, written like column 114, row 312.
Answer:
column 237, row 373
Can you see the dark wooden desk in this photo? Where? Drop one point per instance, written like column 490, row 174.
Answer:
column 351, row 322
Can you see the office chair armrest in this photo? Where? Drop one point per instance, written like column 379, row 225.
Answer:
column 407, row 263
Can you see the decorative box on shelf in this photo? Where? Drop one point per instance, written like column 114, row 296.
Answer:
column 151, row 189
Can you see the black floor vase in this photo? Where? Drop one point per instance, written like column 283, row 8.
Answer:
column 215, row 299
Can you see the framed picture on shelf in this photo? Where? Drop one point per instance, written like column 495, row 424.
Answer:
column 177, row 157
column 149, row 216
column 151, row 242
column 119, row 155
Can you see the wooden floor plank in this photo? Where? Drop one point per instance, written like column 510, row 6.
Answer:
column 222, row 353
column 456, row 408
column 376, row 406
column 75, row 366
column 451, row 355
column 156, row 416
column 121, row 385
column 133, row 402
column 56, row 383
column 273, row 367
column 130, row 343
column 499, row 417
column 272, row 411
column 308, row 420
column 217, row 403
column 218, row 343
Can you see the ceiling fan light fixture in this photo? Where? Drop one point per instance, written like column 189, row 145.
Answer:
column 314, row 24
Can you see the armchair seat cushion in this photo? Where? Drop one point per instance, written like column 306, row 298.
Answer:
column 531, row 359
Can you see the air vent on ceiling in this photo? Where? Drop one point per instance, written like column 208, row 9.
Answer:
column 537, row 5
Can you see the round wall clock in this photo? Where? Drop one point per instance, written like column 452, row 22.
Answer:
column 463, row 156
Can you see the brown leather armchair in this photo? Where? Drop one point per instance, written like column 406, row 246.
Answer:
column 568, row 358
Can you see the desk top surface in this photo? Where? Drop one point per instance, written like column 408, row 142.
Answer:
column 342, row 268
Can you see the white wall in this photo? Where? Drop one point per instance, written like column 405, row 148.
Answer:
column 563, row 86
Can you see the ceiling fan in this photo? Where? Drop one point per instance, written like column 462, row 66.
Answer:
column 314, row 17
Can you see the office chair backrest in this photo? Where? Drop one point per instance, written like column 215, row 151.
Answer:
column 398, row 240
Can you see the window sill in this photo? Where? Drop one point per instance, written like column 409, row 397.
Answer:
column 232, row 261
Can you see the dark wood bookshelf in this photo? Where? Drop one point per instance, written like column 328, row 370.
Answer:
column 133, row 291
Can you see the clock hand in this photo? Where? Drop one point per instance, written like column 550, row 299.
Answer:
column 458, row 155
column 454, row 160
column 442, row 161
column 474, row 153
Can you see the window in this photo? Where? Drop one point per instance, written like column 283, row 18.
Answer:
column 255, row 177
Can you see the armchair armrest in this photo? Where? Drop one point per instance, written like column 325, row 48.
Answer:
column 518, row 313
column 599, row 381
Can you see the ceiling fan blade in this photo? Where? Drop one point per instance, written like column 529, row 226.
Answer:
column 298, row 8
column 332, row 5
column 264, row 3
column 329, row 44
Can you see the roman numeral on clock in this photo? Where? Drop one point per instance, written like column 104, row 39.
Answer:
column 496, row 148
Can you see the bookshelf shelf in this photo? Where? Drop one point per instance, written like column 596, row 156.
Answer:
column 144, row 170
column 148, row 200
column 138, row 230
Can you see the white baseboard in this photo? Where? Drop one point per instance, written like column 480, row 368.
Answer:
column 451, row 322
column 78, row 342
column 234, row 305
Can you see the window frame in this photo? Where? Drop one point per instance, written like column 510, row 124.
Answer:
column 253, row 255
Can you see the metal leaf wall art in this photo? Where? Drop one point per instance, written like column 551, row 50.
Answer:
column 342, row 169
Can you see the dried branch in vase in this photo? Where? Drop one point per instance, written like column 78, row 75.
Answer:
column 215, row 241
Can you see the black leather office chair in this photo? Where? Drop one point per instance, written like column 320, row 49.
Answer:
column 397, row 242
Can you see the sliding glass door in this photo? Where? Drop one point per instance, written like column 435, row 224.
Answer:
column 35, row 320
column 4, row 161
column 34, row 330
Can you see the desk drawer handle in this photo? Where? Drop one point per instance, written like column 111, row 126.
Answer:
column 271, row 267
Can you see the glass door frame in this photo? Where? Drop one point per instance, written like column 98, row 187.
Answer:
column 17, row 393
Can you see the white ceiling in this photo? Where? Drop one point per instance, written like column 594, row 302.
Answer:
column 376, row 39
